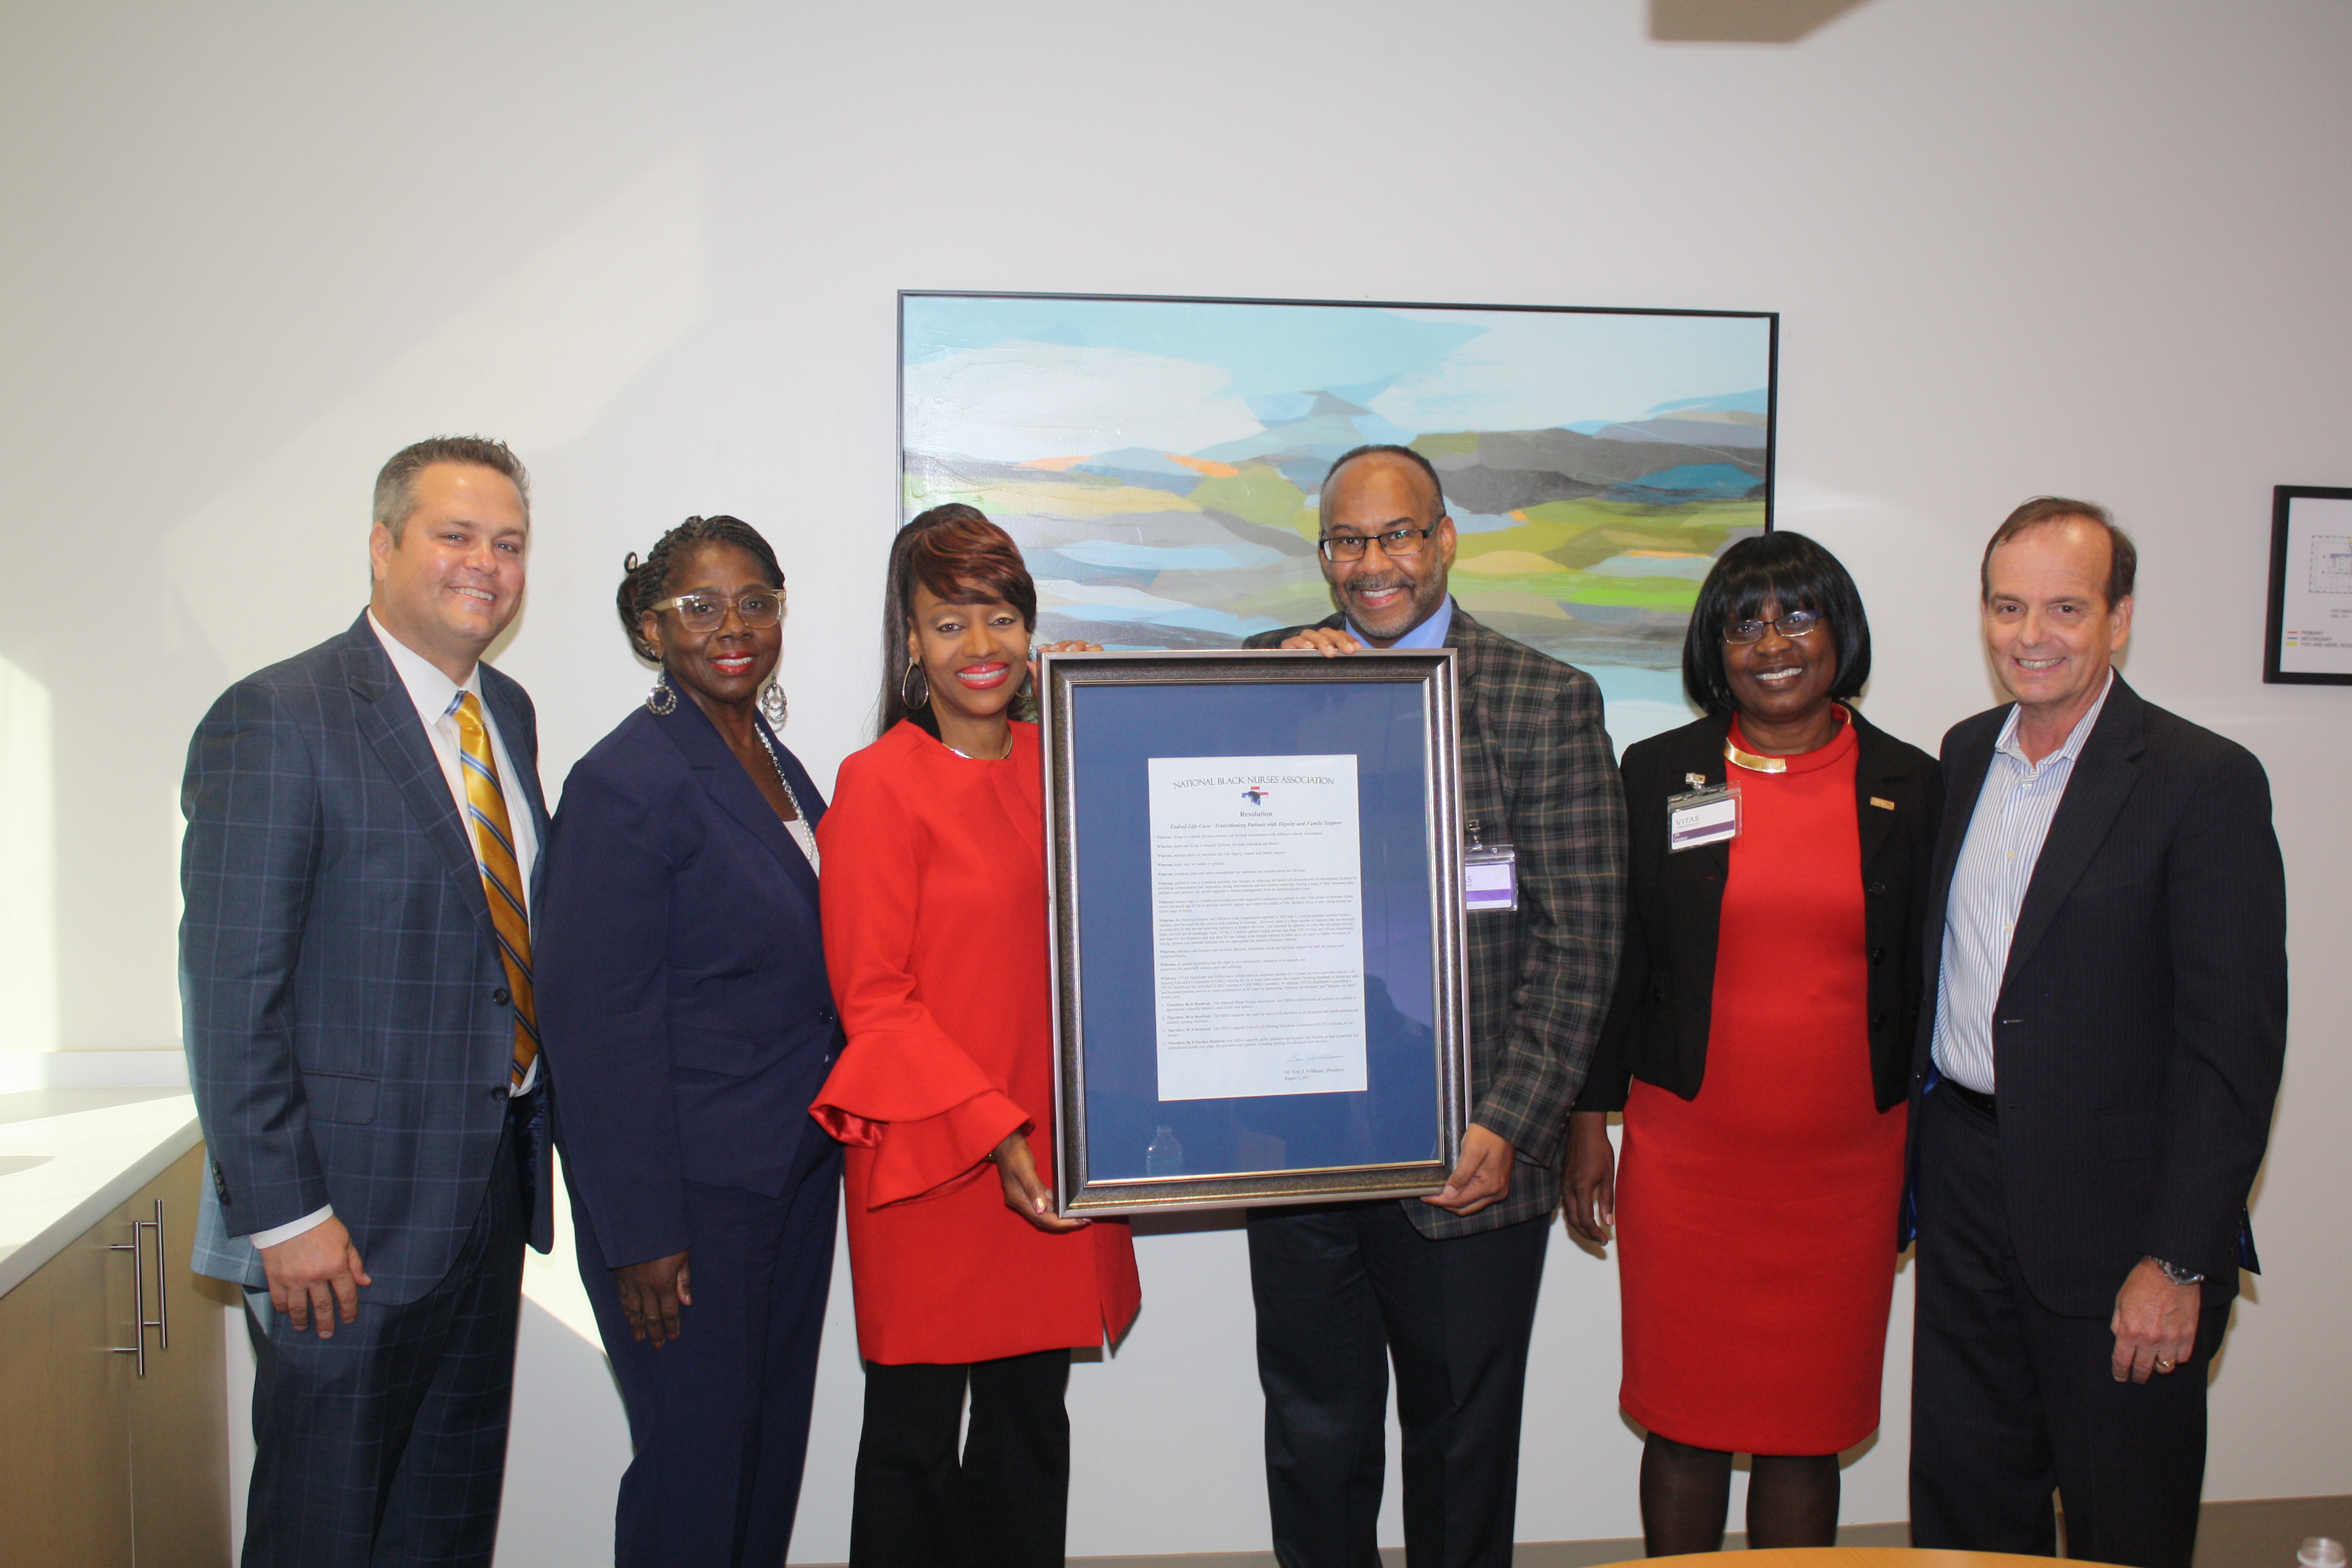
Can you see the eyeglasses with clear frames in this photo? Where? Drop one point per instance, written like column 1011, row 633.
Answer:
column 757, row 609
column 1396, row 543
column 1795, row 624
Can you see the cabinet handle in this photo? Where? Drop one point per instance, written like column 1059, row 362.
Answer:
column 139, row 1321
column 162, row 1284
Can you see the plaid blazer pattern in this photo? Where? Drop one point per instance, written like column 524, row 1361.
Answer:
column 346, row 1017
column 1538, row 772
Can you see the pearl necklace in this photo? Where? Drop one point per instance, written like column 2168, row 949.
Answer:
column 777, row 763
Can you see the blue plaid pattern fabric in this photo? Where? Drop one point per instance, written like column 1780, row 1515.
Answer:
column 386, row 1446
column 350, row 1027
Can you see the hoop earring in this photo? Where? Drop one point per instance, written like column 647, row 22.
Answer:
column 914, row 703
column 1025, row 701
column 774, row 705
column 661, row 701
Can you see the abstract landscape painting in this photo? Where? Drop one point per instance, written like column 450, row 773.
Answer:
column 1158, row 461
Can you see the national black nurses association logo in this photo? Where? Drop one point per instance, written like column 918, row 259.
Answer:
column 1255, row 795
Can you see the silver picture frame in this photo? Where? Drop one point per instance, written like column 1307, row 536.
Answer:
column 1419, row 692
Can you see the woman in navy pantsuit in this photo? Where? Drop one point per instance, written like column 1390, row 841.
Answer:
column 687, row 1025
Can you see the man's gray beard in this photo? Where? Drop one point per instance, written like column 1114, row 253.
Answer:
column 1416, row 612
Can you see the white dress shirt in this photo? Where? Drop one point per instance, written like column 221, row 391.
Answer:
column 436, row 697
column 2006, row 832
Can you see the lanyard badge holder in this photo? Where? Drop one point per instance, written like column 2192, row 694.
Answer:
column 1702, row 815
column 1490, row 875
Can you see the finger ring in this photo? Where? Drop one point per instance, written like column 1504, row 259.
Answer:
column 2163, row 1364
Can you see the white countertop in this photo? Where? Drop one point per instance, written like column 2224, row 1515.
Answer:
column 60, row 1173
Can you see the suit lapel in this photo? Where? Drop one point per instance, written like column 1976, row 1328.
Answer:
column 1461, row 636
column 720, row 773
column 1875, row 778
column 2095, row 792
column 1480, row 711
column 387, row 718
column 812, row 807
column 516, row 733
column 1698, row 751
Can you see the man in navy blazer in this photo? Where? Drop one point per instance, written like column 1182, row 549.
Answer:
column 358, row 1027
column 2091, row 1090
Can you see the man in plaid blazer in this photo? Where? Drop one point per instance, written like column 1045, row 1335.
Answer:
column 1446, row 1284
column 376, row 1134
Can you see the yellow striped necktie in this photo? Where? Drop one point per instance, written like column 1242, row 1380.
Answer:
column 493, row 836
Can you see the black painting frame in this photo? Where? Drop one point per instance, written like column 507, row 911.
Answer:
column 2283, row 500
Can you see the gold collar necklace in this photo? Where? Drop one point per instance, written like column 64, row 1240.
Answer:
column 1756, row 764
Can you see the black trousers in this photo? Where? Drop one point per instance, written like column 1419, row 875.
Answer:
column 1004, row 1504
column 719, row 1416
column 387, row 1444
column 1341, row 1290
column 2010, row 1401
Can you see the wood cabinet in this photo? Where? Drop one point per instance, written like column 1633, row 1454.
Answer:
column 108, row 1463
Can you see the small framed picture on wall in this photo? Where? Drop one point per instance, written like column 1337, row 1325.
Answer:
column 2310, row 640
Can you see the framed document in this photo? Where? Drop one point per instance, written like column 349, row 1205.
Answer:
column 2310, row 640
column 1255, row 867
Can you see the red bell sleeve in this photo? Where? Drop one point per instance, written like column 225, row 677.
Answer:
column 903, row 1087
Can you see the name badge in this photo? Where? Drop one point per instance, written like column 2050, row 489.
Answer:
column 1702, row 816
column 1490, row 875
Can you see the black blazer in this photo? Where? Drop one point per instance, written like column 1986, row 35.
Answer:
column 2142, row 1018
column 1663, row 1005
column 682, row 995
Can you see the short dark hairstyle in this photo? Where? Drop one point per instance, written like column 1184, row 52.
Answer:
column 395, row 482
column 1783, row 568
column 956, row 552
column 2123, row 555
column 1378, row 450
column 646, row 583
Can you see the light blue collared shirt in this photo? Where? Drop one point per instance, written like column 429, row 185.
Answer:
column 2006, row 832
column 1431, row 633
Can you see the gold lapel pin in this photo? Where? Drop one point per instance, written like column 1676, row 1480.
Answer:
column 1881, row 801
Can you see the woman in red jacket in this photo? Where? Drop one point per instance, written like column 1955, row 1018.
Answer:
column 934, row 910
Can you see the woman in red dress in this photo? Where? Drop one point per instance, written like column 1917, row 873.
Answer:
column 934, row 910
column 1757, row 1045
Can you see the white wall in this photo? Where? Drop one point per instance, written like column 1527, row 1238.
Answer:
column 246, row 251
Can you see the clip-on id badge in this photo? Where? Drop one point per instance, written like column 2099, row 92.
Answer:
column 1490, row 875
column 1702, row 816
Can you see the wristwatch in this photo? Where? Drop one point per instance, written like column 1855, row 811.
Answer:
column 2177, row 1274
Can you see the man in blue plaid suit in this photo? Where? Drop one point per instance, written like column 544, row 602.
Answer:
column 1447, row 1284
column 358, row 1028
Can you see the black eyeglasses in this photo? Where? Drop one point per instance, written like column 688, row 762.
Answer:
column 758, row 610
column 1394, row 543
column 1795, row 624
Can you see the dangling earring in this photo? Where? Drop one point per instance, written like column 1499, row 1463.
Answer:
column 914, row 703
column 775, row 704
column 661, row 700
column 1025, row 701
